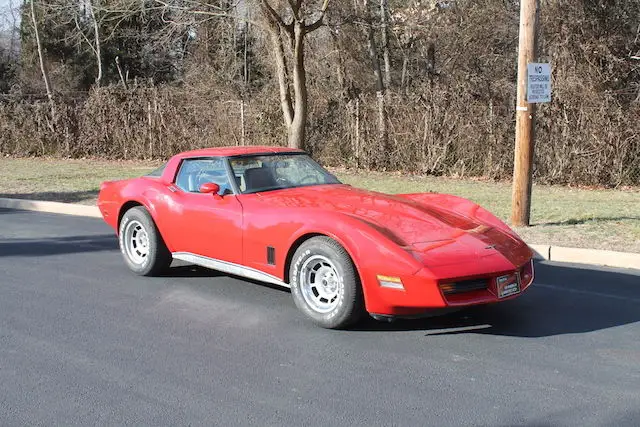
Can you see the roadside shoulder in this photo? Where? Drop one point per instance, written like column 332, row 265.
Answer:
column 545, row 252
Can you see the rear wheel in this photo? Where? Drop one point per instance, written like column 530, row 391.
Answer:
column 324, row 283
column 141, row 244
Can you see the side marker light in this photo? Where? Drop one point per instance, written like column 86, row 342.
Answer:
column 390, row 282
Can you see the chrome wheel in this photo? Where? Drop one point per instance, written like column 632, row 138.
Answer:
column 141, row 244
column 325, row 284
column 320, row 284
column 136, row 242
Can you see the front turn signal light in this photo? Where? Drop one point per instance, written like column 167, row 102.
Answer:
column 390, row 282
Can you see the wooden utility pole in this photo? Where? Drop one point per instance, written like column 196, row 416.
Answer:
column 525, row 113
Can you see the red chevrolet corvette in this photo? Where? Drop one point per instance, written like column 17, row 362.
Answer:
column 275, row 215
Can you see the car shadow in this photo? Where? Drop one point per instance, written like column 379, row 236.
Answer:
column 7, row 211
column 564, row 299
column 181, row 269
column 185, row 270
column 55, row 196
column 610, row 418
column 57, row 245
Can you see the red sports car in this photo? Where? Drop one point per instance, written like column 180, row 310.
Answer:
column 274, row 215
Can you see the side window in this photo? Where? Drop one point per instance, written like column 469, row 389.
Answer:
column 195, row 172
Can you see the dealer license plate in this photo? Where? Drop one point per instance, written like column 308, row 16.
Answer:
column 508, row 285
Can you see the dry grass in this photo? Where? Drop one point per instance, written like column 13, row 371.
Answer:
column 563, row 216
column 75, row 181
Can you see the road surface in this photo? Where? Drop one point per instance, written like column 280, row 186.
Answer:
column 84, row 341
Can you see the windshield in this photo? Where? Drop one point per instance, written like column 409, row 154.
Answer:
column 274, row 172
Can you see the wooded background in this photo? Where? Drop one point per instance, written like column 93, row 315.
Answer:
column 419, row 86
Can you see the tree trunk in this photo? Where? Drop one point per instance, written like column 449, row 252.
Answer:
column 356, row 135
column 15, row 33
column 242, row 123
column 295, row 114
column 245, row 69
column 282, row 72
column 298, row 125
column 383, row 134
column 405, row 63
column 373, row 53
column 383, row 131
column 43, row 65
column 384, row 19
column 341, row 73
column 96, row 34
column 122, row 77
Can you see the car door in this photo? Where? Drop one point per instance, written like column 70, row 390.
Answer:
column 209, row 225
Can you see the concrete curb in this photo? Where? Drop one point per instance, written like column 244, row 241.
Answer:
column 542, row 252
column 51, row 207
column 595, row 257
column 587, row 256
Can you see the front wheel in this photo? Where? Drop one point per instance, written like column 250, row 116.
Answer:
column 324, row 283
column 141, row 244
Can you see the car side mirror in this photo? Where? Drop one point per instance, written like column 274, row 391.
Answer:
column 211, row 187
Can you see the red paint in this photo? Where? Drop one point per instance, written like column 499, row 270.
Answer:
column 425, row 239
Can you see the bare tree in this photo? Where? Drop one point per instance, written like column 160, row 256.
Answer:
column 43, row 64
column 82, row 15
column 91, row 17
column 374, row 55
column 288, row 23
column 96, row 45
column 9, row 29
column 93, row 23
column 384, row 21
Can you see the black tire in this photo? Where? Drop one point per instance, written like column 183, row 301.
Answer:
column 136, row 229
column 342, row 304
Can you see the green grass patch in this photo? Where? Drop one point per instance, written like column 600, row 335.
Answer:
column 76, row 181
column 562, row 216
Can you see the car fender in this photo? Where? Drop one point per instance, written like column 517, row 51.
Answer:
column 364, row 242
column 149, row 197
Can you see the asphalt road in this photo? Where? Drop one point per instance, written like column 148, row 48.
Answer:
column 84, row 341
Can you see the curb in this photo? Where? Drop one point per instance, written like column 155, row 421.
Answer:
column 586, row 256
column 541, row 252
column 51, row 207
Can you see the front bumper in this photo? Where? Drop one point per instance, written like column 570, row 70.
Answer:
column 425, row 290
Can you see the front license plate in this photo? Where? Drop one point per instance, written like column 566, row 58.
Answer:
column 508, row 285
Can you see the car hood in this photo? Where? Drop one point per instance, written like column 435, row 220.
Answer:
column 434, row 232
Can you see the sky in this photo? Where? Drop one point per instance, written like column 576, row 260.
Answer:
column 5, row 13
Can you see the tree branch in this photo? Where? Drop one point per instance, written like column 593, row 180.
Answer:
column 295, row 7
column 84, row 37
column 320, row 21
column 218, row 13
column 272, row 13
column 314, row 26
